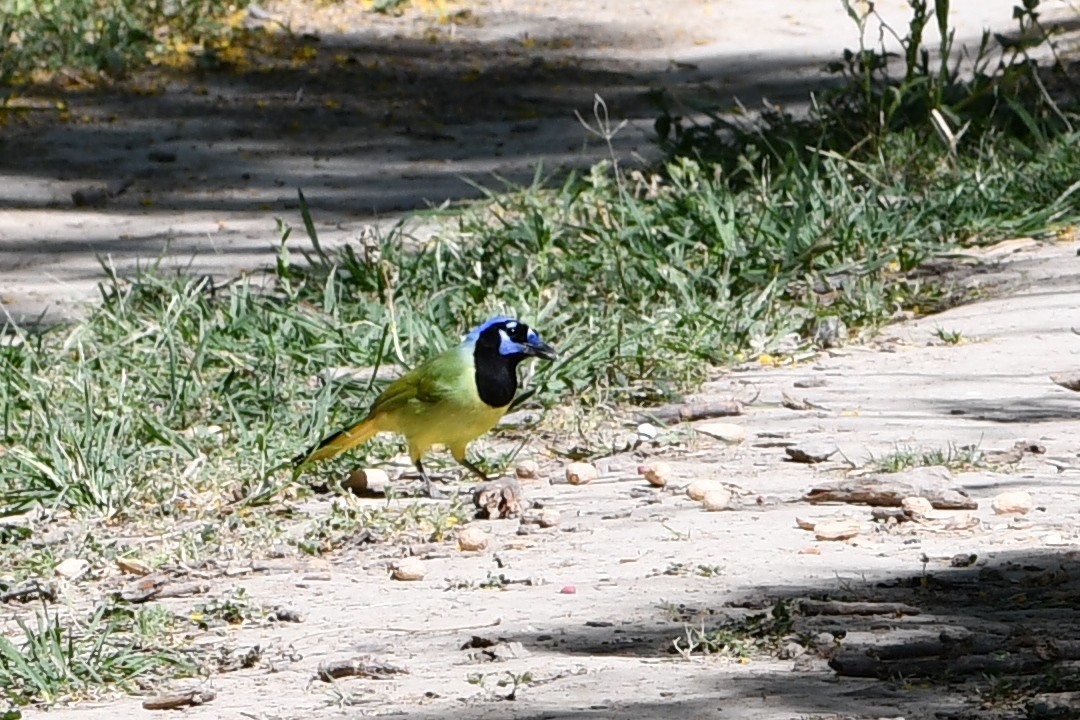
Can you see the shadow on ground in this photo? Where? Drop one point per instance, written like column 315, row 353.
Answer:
column 363, row 122
column 967, row 642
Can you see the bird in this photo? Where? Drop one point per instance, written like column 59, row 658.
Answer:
column 450, row 399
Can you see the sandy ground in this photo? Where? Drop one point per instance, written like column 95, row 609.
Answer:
column 643, row 563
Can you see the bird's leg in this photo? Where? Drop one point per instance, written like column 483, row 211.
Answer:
column 429, row 487
column 476, row 471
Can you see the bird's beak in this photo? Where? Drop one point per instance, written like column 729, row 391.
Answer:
column 540, row 349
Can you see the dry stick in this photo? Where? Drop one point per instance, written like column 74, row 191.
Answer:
column 883, row 491
column 971, row 655
column 837, row 607
column 177, row 700
column 862, row 665
column 687, row 412
column 358, row 667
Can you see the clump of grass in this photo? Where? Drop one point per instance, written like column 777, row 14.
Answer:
column 966, row 457
column 742, row 639
column 54, row 660
column 231, row 608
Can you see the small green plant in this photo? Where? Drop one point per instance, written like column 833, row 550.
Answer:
column 950, row 337
column 232, row 608
column 739, row 639
column 515, row 681
column 493, row 582
column 965, row 457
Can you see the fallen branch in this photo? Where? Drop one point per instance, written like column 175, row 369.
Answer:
column 951, row 656
column 159, row 585
column 29, row 590
column 889, row 490
column 182, row 699
column 688, row 412
column 838, row 607
column 860, row 664
column 358, row 667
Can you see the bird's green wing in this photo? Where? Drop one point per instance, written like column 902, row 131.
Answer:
column 430, row 382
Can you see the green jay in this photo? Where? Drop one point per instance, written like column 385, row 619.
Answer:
column 450, row 399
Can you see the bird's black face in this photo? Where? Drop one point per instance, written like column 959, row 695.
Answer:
column 498, row 346
column 511, row 339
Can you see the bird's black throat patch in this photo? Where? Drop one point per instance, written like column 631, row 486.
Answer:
column 495, row 374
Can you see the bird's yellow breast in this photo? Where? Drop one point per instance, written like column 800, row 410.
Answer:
column 437, row 404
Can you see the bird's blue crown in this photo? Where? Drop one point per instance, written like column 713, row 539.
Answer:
column 507, row 346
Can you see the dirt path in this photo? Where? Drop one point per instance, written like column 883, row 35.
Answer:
column 645, row 564
column 373, row 115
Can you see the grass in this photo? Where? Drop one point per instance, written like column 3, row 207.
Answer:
column 56, row 660
column 952, row 457
column 950, row 337
column 176, row 403
column 740, row 639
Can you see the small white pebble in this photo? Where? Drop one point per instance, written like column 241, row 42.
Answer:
column 408, row 569
column 581, row 473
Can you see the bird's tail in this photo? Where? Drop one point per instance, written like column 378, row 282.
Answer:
column 338, row 443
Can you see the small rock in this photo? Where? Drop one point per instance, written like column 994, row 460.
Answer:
column 568, row 590
column 810, row 551
column 1070, row 381
column 793, row 403
column 581, row 473
column 963, row 560
column 811, row 453
column 698, row 489
column 916, row 506
column 791, row 650
column 1054, row 538
column 1014, row 502
column 823, row 641
column 407, row 569
column 527, row 470
column 545, row 518
column 472, row 539
column 72, row 568
column 717, row 499
column 728, row 432
column 132, row 566
column 548, row 518
column 511, row 650
column 287, row 615
column 367, row 481
column 813, row 382
column 830, row 331
column 648, row 431
column 657, row 472
column 837, row 530
column 803, row 524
